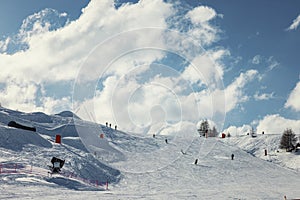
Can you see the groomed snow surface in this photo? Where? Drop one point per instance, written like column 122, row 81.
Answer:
column 138, row 167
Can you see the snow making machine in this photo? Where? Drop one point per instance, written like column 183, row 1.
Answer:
column 57, row 164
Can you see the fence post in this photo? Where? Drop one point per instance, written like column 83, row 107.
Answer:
column 107, row 185
column 97, row 183
column 16, row 168
column 0, row 168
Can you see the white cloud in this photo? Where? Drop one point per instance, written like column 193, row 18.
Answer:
column 295, row 24
column 20, row 96
column 272, row 64
column 53, row 56
column 264, row 96
column 293, row 100
column 256, row 59
column 276, row 124
column 126, row 42
column 52, row 105
column 56, row 55
column 234, row 92
column 196, row 23
column 237, row 131
column 206, row 69
column 130, row 103
column 4, row 44
column 185, row 129
column 270, row 124
column 24, row 97
column 201, row 14
column 63, row 14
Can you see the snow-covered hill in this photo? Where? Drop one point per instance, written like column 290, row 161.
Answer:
column 36, row 149
column 135, row 166
column 269, row 143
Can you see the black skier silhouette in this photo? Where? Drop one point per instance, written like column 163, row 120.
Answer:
column 184, row 153
column 196, row 161
column 57, row 164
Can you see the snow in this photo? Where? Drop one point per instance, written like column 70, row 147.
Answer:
column 138, row 166
column 269, row 142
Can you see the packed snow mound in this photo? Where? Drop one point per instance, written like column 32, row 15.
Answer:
column 38, row 117
column 16, row 139
column 67, row 114
column 37, row 148
column 11, row 115
column 65, row 130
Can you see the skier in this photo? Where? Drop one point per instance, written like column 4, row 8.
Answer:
column 196, row 161
column 232, row 156
column 166, row 140
column 183, row 152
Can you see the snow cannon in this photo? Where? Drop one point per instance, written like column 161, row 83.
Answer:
column 57, row 164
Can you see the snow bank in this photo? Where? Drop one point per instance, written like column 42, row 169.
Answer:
column 16, row 139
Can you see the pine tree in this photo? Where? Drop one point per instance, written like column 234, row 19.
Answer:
column 288, row 140
column 204, row 128
column 214, row 132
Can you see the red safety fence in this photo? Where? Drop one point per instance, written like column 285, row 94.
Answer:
column 19, row 168
column 9, row 168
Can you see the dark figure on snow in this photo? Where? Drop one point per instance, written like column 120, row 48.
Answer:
column 183, row 152
column 196, row 161
column 232, row 156
column 153, row 135
column 166, row 140
column 57, row 164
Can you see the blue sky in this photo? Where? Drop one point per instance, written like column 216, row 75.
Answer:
column 253, row 67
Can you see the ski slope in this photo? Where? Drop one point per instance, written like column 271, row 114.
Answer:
column 136, row 167
column 270, row 143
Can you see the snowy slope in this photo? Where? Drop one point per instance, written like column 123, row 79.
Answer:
column 269, row 142
column 137, row 167
column 37, row 148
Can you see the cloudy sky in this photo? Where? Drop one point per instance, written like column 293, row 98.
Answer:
column 154, row 66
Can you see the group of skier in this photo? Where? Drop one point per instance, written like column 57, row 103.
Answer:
column 106, row 124
column 196, row 161
column 184, row 153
